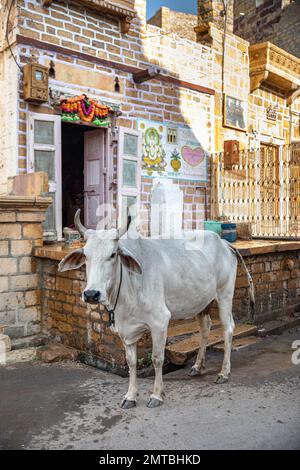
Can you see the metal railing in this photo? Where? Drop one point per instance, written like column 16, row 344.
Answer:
column 262, row 189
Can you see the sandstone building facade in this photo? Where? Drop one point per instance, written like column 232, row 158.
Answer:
column 128, row 104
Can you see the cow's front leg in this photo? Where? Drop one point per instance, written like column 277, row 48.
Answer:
column 204, row 322
column 159, row 337
column 225, row 310
column 131, row 357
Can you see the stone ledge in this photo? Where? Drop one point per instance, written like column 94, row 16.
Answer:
column 24, row 203
column 269, row 63
column 245, row 247
column 261, row 247
column 54, row 252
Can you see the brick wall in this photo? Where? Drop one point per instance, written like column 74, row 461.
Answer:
column 196, row 204
column 79, row 29
column 20, row 231
column 276, row 278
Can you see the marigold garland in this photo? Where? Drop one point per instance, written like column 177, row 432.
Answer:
column 84, row 109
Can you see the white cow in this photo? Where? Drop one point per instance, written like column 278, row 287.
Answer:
column 148, row 282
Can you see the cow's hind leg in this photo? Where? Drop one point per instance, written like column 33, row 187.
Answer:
column 204, row 329
column 225, row 311
column 159, row 338
column 131, row 357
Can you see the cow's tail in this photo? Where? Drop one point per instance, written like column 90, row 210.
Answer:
column 250, row 281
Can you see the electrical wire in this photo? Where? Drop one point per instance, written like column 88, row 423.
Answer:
column 6, row 35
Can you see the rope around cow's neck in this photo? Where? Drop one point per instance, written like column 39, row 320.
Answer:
column 111, row 312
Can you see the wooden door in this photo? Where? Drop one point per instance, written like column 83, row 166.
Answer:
column 269, row 189
column 95, row 176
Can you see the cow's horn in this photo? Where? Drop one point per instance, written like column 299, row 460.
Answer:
column 122, row 230
column 81, row 228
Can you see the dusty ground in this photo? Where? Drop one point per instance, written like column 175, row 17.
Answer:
column 71, row 406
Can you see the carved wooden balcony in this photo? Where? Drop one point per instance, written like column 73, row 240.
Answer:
column 123, row 9
column 270, row 64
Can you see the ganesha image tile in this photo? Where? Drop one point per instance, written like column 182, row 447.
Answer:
column 153, row 151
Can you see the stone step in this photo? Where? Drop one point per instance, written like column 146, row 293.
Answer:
column 179, row 352
column 20, row 355
column 184, row 327
column 56, row 353
column 29, row 341
column 276, row 327
column 238, row 343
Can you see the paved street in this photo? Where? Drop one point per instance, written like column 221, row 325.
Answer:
column 71, row 406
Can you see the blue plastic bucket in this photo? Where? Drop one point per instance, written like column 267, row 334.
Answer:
column 229, row 232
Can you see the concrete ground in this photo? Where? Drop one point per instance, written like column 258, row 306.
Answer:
column 72, row 406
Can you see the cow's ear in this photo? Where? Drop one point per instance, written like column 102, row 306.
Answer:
column 73, row 260
column 129, row 260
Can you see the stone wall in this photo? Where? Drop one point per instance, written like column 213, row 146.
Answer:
column 182, row 24
column 20, row 231
column 286, row 33
column 259, row 101
column 233, row 81
column 236, row 83
column 276, row 21
column 212, row 11
column 276, row 276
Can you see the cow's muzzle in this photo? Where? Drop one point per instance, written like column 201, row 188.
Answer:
column 91, row 296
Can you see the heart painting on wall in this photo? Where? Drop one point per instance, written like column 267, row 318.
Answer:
column 193, row 157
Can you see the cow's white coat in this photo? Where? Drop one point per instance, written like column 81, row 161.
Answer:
column 165, row 279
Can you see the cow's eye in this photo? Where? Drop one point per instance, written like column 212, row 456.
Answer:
column 113, row 255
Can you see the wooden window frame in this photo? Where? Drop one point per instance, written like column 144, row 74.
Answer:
column 54, row 186
column 124, row 191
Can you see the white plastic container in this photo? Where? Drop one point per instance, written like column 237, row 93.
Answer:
column 166, row 209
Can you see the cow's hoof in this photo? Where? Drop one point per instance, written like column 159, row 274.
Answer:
column 194, row 372
column 221, row 379
column 154, row 402
column 127, row 404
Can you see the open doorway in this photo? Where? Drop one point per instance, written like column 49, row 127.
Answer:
column 72, row 171
column 84, row 173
